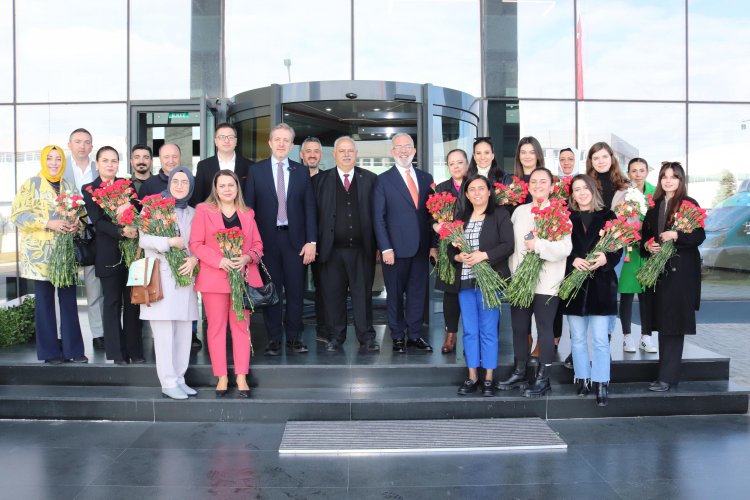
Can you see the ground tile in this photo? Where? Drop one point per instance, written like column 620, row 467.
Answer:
column 202, row 493
column 54, row 466
column 212, row 436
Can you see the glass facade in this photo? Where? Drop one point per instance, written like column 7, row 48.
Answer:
column 661, row 80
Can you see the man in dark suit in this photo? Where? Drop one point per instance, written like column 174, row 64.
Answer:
column 225, row 139
column 169, row 157
column 281, row 193
column 346, row 245
column 403, row 230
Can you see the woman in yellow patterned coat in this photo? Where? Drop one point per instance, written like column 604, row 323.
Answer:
column 34, row 216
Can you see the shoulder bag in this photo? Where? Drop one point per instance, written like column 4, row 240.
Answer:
column 85, row 247
column 144, row 280
column 261, row 296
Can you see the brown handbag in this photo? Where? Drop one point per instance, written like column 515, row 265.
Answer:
column 150, row 292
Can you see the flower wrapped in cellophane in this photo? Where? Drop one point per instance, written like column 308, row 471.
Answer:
column 442, row 207
column 634, row 204
column 231, row 241
column 511, row 195
column 561, row 190
column 687, row 219
column 110, row 196
column 616, row 234
column 63, row 268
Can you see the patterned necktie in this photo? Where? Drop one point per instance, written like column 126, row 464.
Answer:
column 412, row 188
column 281, row 193
column 346, row 182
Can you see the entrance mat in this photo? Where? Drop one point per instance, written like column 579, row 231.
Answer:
column 411, row 436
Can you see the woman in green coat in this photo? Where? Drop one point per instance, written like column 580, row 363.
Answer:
column 628, row 285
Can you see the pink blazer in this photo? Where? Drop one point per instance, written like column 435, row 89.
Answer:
column 203, row 244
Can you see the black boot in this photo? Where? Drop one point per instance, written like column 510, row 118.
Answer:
column 601, row 393
column 517, row 378
column 568, row 363
column 541, row 386
column 584, row 387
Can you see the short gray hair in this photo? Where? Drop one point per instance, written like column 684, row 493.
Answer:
column 344, row 138
column 402, row 134
column 281, row 126
column 310, row 139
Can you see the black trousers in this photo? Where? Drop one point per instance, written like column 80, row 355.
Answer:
column 320, row 318
column 558, row 323
column 544, row 314
column 670, row 357
column 451, row 311
column 347, row 270
column 122, row 340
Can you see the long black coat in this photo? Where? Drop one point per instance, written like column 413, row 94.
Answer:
column 598, row 295
column 449, row 187
column 670, row 307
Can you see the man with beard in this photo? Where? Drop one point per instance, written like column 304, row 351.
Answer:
column 403, row 231
column 310, row 153
column 141, row 160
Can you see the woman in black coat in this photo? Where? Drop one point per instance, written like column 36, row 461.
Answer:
column 458, row 164
column 670, row 306
column 590, row 309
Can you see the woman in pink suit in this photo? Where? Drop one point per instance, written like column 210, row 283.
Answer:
column 225, row 209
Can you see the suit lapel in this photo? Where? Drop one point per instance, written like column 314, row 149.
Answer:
column 400, row 184
column 268, row 173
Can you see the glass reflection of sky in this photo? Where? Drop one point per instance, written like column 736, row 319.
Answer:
column 6, row 51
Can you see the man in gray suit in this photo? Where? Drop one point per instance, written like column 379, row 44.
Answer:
column 80, row 170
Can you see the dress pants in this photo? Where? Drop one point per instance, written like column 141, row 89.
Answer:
column 288, row 273
column 544, row 314
column 95, row 301
column 122, row 340
column 480, row 330
column 346, row 270
column 320, row 314
column 219, row 312
column 670, row 357
column 451, row 311
column 47, row 345
column 406, row 277
column 580, row 326
column 172, row 340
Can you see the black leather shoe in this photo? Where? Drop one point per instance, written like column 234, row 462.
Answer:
column 297, row 346
column 53, row 361
column 322, row 336
column 568, row 363
column 371, row 345
column 584, row 387
column 244, row 393
column 196, row 344
column 601, row 394
column 468, row 387
column 333, row 346
column 541, row 385
column 420, row 344
column 137, row 361
column 659, row 386
column 98, row 343
column 487, row 389
column 399, row 345
column 273, row 348
column 121, row 362
column 517, row 378
column 80, row 359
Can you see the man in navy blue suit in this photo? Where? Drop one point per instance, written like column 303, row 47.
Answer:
column 404, row 235
column 281, row 193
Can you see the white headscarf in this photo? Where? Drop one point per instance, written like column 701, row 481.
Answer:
column 575, row 166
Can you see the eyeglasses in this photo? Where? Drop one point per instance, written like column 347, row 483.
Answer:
column 226, row 137
column 178, row 182
column 405, row 147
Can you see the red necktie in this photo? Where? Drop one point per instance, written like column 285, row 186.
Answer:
column 346, row 182
column 412, row 189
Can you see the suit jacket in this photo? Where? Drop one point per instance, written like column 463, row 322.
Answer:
column 69, row 176
column 207, row 169
column 324, row 185
column 206, row 222
column 398, row 224
column 108, row 236
column 260, row 195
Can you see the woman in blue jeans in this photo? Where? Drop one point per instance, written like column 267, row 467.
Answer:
column 589, row 311
column 488, row 230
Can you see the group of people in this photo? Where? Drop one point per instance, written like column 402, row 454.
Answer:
column 340, row 222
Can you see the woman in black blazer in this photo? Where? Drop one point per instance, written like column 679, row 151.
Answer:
column 122, row 341
column 488, row 230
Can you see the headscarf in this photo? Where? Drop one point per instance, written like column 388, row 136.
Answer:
column 182, row 202
column 45, row 173
column 560, row 173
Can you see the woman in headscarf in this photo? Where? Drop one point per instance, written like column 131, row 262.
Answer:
column 34, row 216
column 568, row 160
column 172, row 317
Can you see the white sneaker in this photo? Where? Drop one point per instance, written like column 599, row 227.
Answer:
column 646, row 344
column 627, row 343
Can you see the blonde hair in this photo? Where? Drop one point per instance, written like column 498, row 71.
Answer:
column 213, row 198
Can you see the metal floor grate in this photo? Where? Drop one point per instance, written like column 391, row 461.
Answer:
column 409, row 436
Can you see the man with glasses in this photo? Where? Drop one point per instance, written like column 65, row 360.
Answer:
column 403, row 229
column 225, row 139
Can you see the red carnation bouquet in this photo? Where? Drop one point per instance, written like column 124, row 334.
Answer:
column 551, row 223
column 617, row 233
column 110, row 196
column 158, row 218
column 63, row 269
column 561, row 190
column 231, row 241
column 686, row 220
column 515, row 194
column 442, row 207
column 490, row 283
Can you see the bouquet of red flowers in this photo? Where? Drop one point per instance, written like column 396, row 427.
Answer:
column 158, row 218
column 686, row 220
column 617, row 234
column 230, row 241
column 561, row 190
column 551, row 223
column 110, row 196
column 515, row 194
column 63, row 269
column 441, row 206
column 490, row 283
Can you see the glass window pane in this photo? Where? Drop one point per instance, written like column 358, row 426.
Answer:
column 717, row 47
column 61, row 50
column 6, row 50
column 290, row 41
column 633, row 50
column 160, row 49
column 419, row 41
column 450, row 134
column 7, row 193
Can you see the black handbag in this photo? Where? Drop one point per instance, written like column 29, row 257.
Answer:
column 262, row 296
column 85, row 245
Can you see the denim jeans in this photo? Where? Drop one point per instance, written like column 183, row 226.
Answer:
column 598, row 370
column 480, row 330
